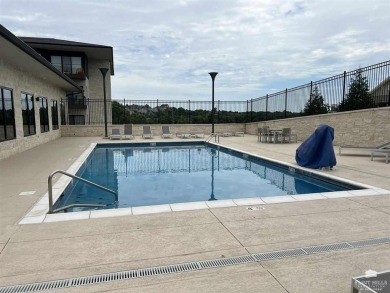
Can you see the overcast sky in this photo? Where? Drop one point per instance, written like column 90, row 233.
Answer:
column 165, row 49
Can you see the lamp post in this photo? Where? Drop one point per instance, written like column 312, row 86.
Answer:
column 213, row 75
column 104, row 72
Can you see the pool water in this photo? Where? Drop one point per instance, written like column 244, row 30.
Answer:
column 145, row 176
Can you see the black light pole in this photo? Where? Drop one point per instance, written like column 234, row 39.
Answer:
column 104, row 72
column 213, row 75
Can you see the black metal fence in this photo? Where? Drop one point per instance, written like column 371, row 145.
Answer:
column 363, row 88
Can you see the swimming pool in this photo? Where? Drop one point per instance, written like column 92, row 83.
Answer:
column 167, row 173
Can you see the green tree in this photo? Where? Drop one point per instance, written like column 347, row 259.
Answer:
column 358, row 96
column 119, row 114
column 315, row 105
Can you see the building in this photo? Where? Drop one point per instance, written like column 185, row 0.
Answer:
column 44, row 84
column 81, row 63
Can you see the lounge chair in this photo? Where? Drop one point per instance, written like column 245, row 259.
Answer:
column 385, row 152
column 183, row 134
column 238, row 133
column 115, row 134
column 365, row 149
column 128, row 132
column 146, row 132
column 166, row 132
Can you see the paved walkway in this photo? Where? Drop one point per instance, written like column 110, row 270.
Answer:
column 41, row 252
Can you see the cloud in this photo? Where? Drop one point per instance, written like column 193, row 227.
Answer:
column 164, row 49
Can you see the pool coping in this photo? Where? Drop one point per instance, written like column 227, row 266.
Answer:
column 39, row 212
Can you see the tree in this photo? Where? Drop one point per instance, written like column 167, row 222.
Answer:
column 358, row 96
column 119, row 114
column 315, row 105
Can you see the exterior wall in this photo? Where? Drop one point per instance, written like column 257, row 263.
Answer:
column 98, row 130
column 19, row 81
column 368, row 127
column 95, row 84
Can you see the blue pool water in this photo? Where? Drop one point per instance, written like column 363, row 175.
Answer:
column 186, row 173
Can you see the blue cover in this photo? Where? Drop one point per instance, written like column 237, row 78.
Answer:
column 317, row 150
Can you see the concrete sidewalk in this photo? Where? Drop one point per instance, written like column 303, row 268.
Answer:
column 49, row 251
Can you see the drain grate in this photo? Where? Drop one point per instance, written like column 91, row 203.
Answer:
column 190, row 266
column 221, row 262
column 326, row 247
column 279, row 254
column 369, row 242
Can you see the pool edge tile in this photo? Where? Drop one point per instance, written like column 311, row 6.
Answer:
column 308, row 196
column 278, row 199
column 224, row 203
column 32, row 220
column 249, row 201
column 96, row 214
column 67, row 217
column 151, row 209
column 188, row 206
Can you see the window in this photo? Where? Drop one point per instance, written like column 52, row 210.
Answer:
column 67, row 64
column 7, row 115
column 43, row 114
column 62, row 110
column 76, row 120
column 28, row 114
column 57, row 63
column 54, row 114
column 76, row 65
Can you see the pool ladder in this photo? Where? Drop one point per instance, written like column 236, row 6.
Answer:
column 50, row 188
column 215, row 135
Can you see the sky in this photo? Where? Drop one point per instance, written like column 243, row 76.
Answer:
column 164, row 49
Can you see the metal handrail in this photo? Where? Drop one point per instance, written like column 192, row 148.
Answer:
column 50, row 188
column 216, row 135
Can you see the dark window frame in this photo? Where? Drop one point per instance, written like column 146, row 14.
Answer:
column 31, row 125
column 6, row 136
column 61, row 54
column 62, row 112
column 72, row 119
column 54, row 114
column 44, row 114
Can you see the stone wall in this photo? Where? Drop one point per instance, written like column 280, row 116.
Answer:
column 98, row 130
column 368, row 127
column 19, row 81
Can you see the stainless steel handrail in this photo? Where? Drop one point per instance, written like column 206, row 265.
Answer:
column 50, row 188
column 215, row 135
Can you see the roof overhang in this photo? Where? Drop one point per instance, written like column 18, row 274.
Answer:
column 23, row 57
column 93, row 51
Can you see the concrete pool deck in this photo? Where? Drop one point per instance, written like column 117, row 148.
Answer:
column 58, row 250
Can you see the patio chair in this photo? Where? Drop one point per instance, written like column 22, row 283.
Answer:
column 267, row 136
column 115, row 134
column 128, row 132
column 146, row 132
column 166, row 132
column 366, row 149
column 285, row 136
column 259, row 134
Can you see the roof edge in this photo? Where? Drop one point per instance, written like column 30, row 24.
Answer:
column 32, row 53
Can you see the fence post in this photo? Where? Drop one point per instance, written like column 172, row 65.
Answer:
column 266, row 107
column 311, row 94
column 218, row 112
column 251, row 110
column 124, row 111
column 189, row 111
column 343, row 103
column 285, row 105
column 158, row 113
column 388, row 99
